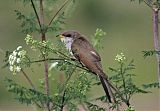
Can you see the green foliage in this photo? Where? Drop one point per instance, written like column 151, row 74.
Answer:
column 152, row 85
column 78, row 81
column 94, row 107
column 130, row 108
column 123, row 79
column 28, row 23
column 150, row 53
column 79, row 87
column 57, row 24
column 97, row 38
column 27, row 96
column 6, row 59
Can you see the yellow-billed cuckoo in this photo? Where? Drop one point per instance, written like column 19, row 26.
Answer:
column 83, row 51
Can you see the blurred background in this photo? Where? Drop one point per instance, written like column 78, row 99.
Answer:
column 129, row 30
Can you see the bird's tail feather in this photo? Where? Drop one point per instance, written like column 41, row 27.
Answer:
column 107, row 90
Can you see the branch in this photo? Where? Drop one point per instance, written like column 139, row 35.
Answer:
column 148, row 4
column 28, row 79
column 63, row 100
column 156, row 38
column 35, row 11
column 64, row 92
column 58, row 12
column 59, row 59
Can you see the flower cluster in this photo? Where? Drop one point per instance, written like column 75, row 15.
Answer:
column 15, row 59
column 120, row 57
column 43, row 46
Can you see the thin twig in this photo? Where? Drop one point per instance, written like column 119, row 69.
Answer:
column 64, row 90
column 63, row 100
column 59, row 59
column 58, row 12
column 27, row 78
column 48, row 59
column 31, row 84
column 148, row 4
column 123, row 80
column 35, row 11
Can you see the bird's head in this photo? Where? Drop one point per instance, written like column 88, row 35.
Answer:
column 68, row 37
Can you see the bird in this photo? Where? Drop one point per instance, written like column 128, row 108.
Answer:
column 85, row 53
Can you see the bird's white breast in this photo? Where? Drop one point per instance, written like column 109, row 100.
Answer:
column 67, row 42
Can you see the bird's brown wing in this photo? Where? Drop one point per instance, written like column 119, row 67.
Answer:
column 87, row 55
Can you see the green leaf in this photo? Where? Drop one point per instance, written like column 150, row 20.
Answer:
column 152, row 85
column 150, row 53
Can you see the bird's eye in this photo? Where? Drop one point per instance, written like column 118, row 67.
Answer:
column 68, row 35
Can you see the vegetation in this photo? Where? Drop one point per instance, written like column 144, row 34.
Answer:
column 72, row 92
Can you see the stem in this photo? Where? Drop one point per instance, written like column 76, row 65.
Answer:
column 65, row 89
column 35, row 11
column 156, row 38
column 28, row 79
column 63, row 100
column 65, row 60
column 147, row 3
column 123, row 80
column 45, row 62
column 58, row 12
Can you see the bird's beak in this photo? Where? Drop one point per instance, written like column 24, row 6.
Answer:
column 60, row 36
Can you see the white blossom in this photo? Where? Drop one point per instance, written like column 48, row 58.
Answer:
column 11, row 68
column 10, row 57
column 19, row 47
column 15, row 58
column 14, row 53
column 18, row 60
column 120, row 57
column 18, row 68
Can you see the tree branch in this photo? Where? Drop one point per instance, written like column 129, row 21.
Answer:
column 63, row 100
column 35, row 11
column 65, row 60
column 148, row 4
column 45, row 62
column 58, row 12
column 27, row 78
column 64, row 90
column 156, row 38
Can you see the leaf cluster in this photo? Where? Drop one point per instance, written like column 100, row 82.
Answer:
column 150, row 53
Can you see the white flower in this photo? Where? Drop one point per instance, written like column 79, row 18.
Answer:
column 19, row 47
column 11, row 62
column 54, row 64
column 22, row 53
column 14, row 59
column 14, row 53
column 18, row 68
column 11, row 68
column 18, row 60
column 10, row 57
column 120, row 57
column 19, row 53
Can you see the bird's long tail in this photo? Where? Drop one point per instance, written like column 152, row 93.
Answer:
column 107, row 89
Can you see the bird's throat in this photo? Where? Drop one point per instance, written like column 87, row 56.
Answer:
column 67, row 42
